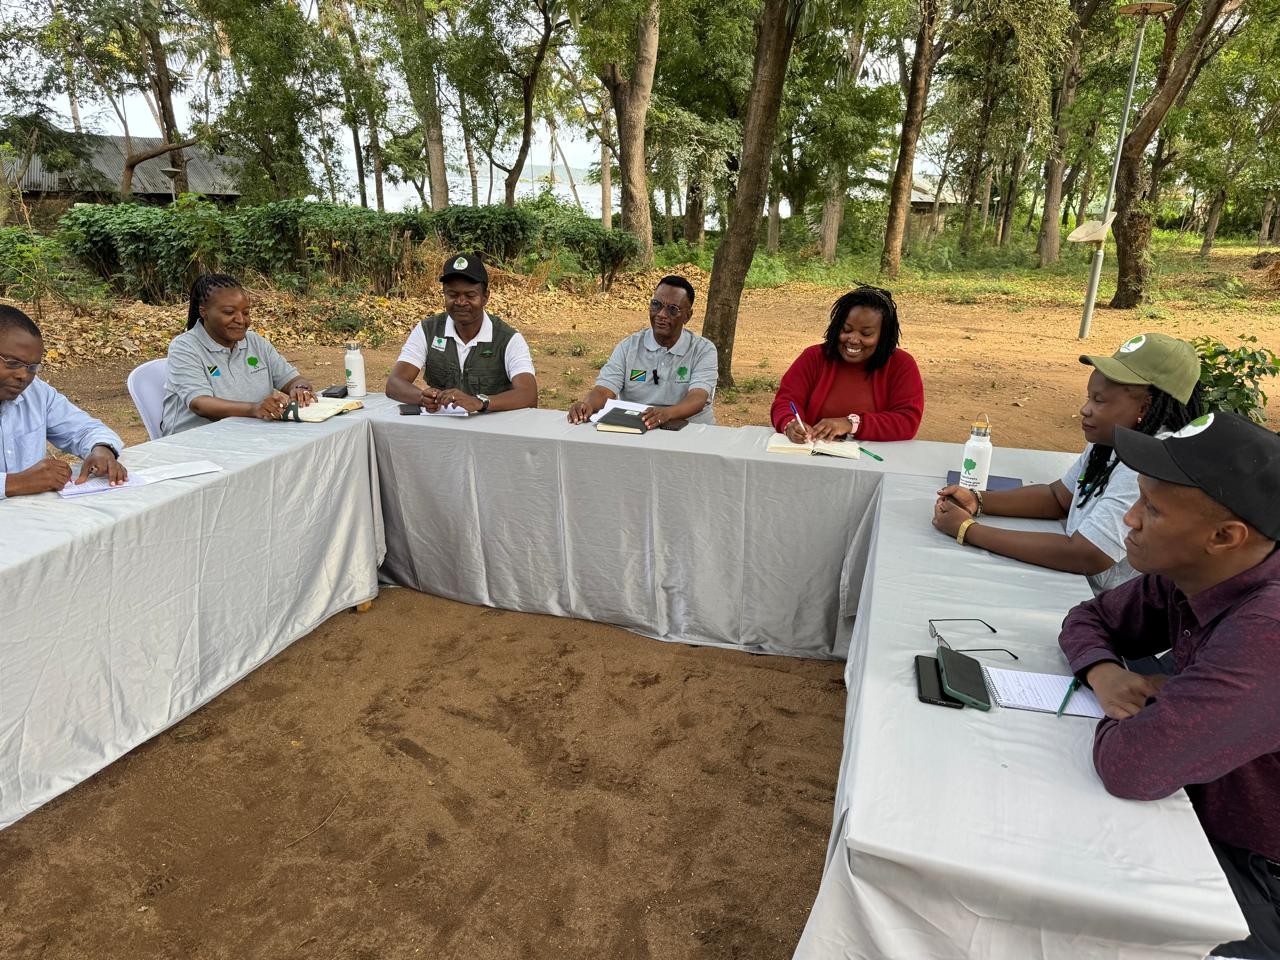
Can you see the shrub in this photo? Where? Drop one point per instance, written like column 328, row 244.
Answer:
column 501, row 233
column 1232, row 378
column 34, row 268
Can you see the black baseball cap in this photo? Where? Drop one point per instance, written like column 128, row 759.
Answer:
column 1233, row 460
column 468, row 265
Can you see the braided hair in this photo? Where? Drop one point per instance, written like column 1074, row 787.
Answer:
column 878, row 299
column 205, row 284
column 1164, row 412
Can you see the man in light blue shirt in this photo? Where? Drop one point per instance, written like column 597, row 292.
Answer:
column 33, row 413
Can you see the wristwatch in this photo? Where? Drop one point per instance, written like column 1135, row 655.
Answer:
column 484, row 402
column 114, row 452
column 855, row 421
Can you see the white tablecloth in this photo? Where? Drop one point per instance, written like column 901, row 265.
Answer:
column 963, row 834
column 125, row 611
column 698, row 536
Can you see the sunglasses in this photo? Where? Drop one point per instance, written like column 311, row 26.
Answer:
column 13, row 363
column 670, row 309
column 942, row 641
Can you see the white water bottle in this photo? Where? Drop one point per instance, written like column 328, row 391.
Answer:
column 354, row 362
column 977, row 457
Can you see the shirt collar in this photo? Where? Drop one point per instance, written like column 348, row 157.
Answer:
column 1212, row 603
column 681, row 346
column 206, row 341
column 484, row 336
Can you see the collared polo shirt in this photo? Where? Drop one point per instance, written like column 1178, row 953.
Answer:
column 246, row 372
column 41, row 414
column 641, row 370
column 517, row 359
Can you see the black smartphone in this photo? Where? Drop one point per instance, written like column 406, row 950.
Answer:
column 677, row 424
column 410, row 410
column 929, row 684
column 336, row 392
column 962, row 678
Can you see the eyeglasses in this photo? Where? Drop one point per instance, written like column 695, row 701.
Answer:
column 13, row 363
column 942, row 641
column 670, row 309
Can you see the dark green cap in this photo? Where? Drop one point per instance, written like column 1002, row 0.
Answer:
column 1152, row 360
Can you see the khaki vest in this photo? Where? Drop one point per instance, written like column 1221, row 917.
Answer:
column 486, row 370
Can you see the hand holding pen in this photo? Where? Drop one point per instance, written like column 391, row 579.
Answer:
column 797, row 432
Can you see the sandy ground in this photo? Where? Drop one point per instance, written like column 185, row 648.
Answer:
column 436, row 780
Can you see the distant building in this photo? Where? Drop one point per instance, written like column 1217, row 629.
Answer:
column 98, row 178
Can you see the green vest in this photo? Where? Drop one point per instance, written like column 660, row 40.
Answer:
column 486, row 370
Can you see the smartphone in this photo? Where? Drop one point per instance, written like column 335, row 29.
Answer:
column 410, row 410
column 962, row 678
column 335, row 392
column 929, row 684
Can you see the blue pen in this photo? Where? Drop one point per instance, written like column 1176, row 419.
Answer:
column 798, row 420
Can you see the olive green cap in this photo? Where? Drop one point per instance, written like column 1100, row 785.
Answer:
column 1153, row 360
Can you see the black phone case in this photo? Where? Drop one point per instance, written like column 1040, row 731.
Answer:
column 410, row 410
column 336, row 392
column 929, row 684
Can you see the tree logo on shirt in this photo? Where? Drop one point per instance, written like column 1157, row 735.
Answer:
column 638, row 376
column 1135, row 344
column 252, row 361
column 682, row 374
column 1197, row 426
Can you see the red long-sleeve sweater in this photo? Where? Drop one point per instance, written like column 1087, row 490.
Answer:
column 896, row 388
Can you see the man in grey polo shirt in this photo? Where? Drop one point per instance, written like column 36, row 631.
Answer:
column 666, row 367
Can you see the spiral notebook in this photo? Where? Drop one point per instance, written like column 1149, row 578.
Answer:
column 1041, row 692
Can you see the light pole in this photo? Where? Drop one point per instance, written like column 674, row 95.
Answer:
column 1095, row 232
column 172, row 174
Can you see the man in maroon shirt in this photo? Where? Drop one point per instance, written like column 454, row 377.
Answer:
column 1204, row 533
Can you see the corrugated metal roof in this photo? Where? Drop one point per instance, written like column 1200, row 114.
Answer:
column 207, row 173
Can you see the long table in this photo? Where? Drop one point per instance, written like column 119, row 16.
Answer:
column 125, row 611
column 698, row 536
column 962, row 834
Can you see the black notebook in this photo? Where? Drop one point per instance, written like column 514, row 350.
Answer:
column 619, row 420
column 993, row 482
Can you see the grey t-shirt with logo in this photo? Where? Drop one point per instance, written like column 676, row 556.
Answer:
column 201, row 367
column 641, row 370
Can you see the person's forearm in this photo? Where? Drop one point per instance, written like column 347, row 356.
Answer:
column 402, row 390
column 1053, row 550
column 693, row 404
column 597, row 397
column 517, row 398
column 1035, row 501
column 211, row 408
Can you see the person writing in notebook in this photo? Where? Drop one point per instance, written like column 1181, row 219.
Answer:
column 32, row 414
column 669, row 369
column 467, row 357
column 1203, row 535
column 1150, row 384
column 858, row 383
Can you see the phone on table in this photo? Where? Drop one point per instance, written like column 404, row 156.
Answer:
column 410, row 410
column 929, row 684
column 962, row 678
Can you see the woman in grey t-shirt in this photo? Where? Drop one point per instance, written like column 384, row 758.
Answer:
column 1150, row 384
column 220, row 368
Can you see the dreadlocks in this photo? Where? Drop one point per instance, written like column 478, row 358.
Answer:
column 1163, row 413
column 205, row 284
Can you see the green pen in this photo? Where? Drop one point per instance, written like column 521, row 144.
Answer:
column 1072, row 687
column 873, row 456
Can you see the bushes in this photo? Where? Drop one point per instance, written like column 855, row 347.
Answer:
column 36, row 269
column 154, row 253
column 1232, row 379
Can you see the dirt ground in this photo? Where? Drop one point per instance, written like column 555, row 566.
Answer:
column 436, row 780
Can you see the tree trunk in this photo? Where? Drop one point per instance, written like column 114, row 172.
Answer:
column 833, row 211
column 630, row 97
column 937, row 195
column 133, row 159
column 162, row 82
column 606, row 174
column 1014, row 186
column 667, row 235
column 1268, row 211
column 1086, row 194
column 981, row 134
column 357, row 148
column 775, row 34
column 986, row 196
column 414, row 28
column 695, row 210
column 375, row 155
column 1035, row 201
column 1211, row 226
column 464, row 118
column 573, row 187
column 528, row 89
column 1134, row 223
column 773, row 237
column 922, row 65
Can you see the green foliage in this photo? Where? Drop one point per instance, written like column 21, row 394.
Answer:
column 565, row 227
column 1232, row 378
column 503, row 233
column 34, row 268
column 767, row 271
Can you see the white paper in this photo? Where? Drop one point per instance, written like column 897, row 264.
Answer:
column 1042, row 692
column 140, row 478
column 447, row 411
column 618, row 405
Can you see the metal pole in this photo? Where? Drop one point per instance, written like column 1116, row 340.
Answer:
column 1095, row 272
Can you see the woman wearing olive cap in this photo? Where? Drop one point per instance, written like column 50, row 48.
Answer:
column 1152, row 385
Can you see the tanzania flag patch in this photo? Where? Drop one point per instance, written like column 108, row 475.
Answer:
column 639, row 376
column 214, row 371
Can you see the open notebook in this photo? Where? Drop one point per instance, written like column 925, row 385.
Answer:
column 1041, row 692
column 779, row 443
column 321, row 410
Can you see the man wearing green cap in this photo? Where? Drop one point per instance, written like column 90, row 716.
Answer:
column 1150, row 384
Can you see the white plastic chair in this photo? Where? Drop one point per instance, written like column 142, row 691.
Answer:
column 146, row 387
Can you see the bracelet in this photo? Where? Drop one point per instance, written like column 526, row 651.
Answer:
column 978, row 496
column 964, row 528
column 855, row 421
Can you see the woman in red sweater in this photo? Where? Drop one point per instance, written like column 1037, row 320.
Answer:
column 857, row 383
